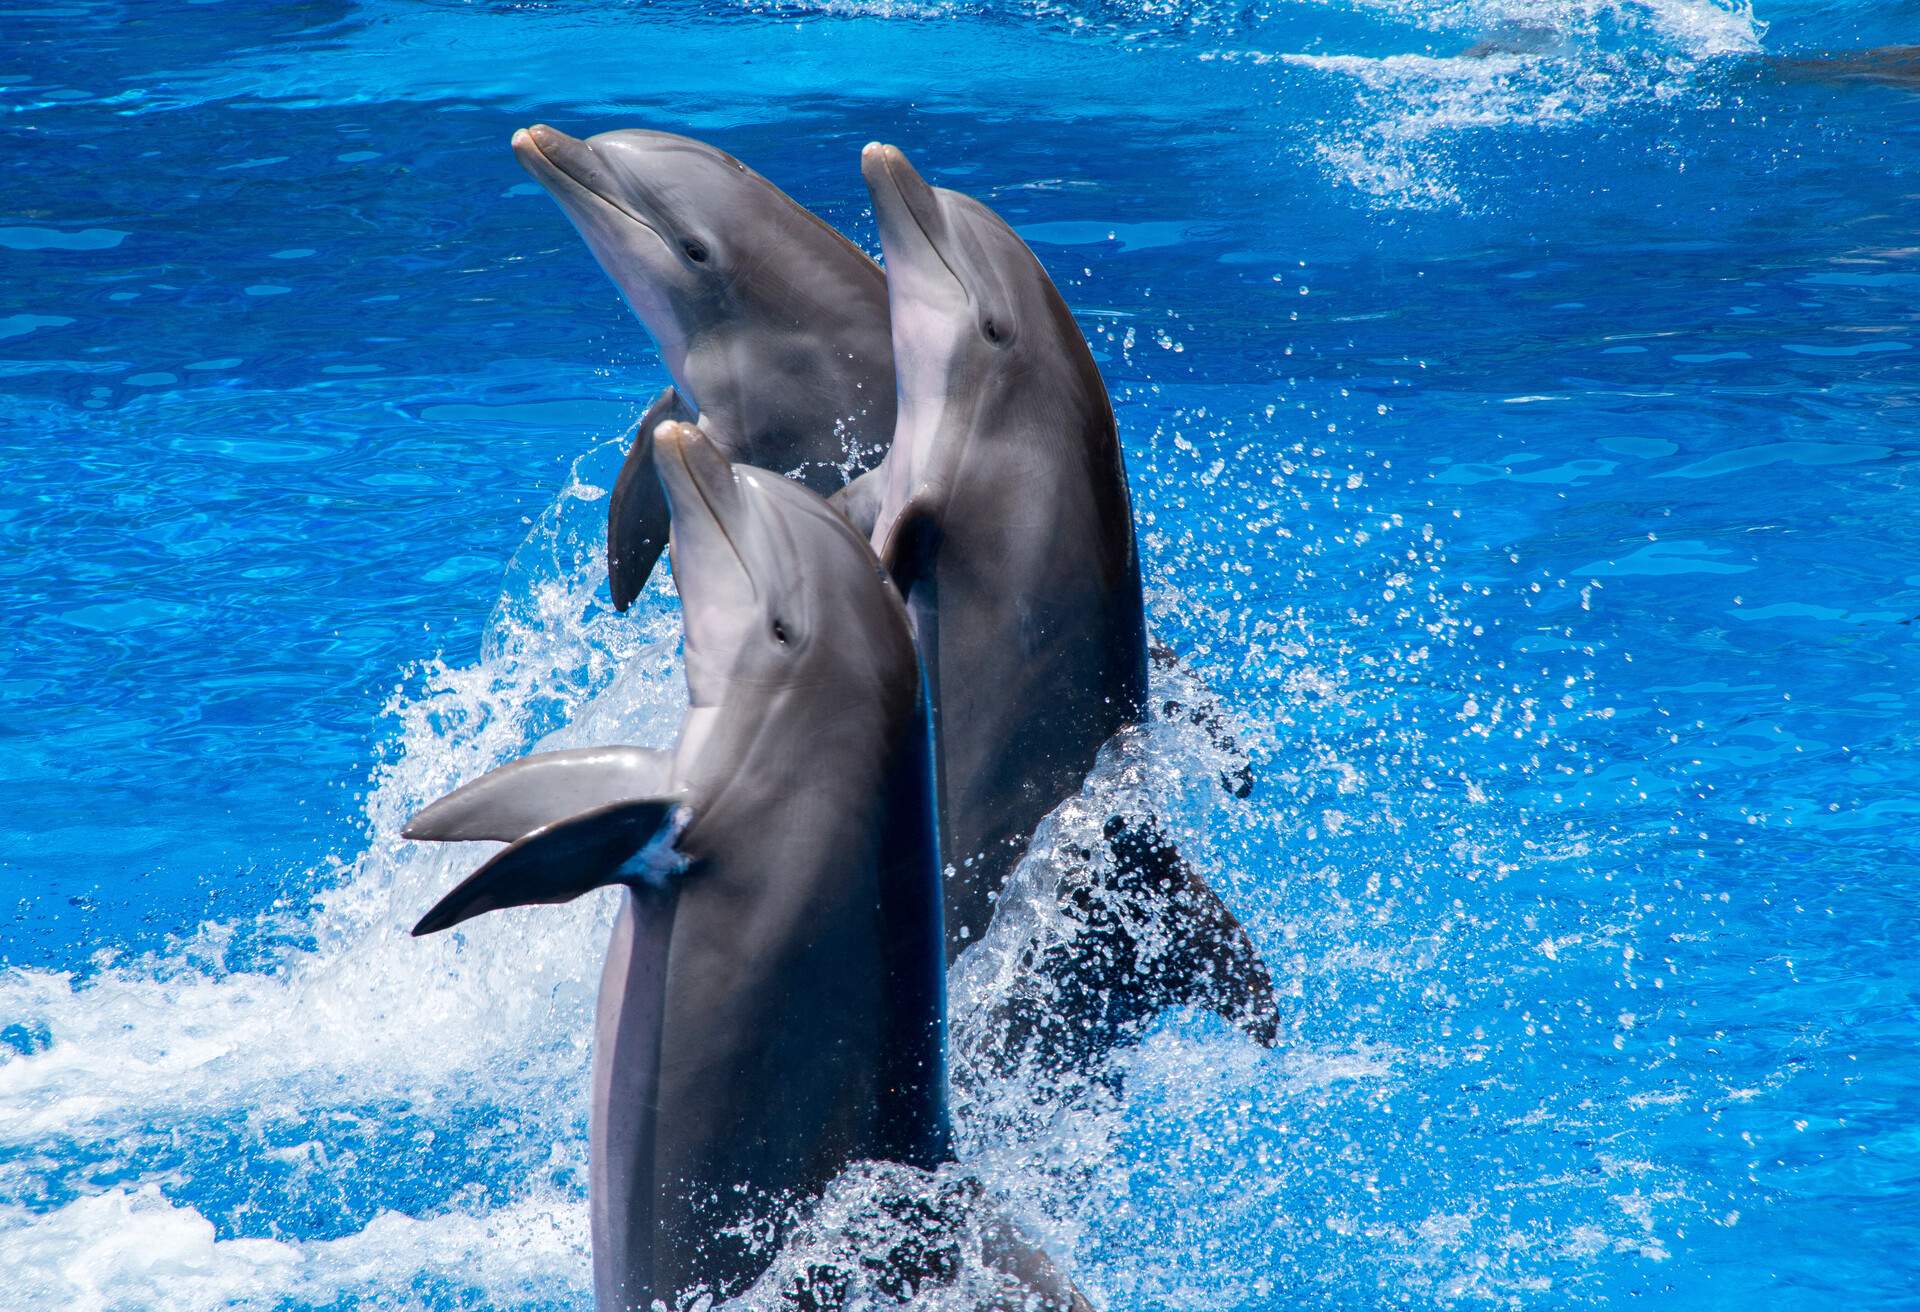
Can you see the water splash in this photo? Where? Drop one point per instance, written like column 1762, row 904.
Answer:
column 1445, row 960
column 132, row 1248
column 1421, row 94
column 1419, row 122
column 353, row 1049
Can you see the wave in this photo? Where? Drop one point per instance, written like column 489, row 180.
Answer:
column 350, row 1047
column 1702, row 27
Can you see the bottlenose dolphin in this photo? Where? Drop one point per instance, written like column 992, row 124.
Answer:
column 1894, row 65
column 772, row 1007
column 1529, row 39
column 773, row 325
column 1002, row 512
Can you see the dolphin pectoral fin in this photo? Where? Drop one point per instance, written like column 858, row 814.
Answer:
column 560, row 862
column 1209, row 961
column 1043, row 1286
column 637, row 515
column 1227, row 974
column 908, row 552
column 511, row 802
column 859, row 500
column 1236, row 779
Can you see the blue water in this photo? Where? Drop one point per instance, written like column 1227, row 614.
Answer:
column 1525, row 451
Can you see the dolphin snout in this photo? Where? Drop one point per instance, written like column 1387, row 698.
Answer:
column 542, row 138
column 904, row 206
column 527, row 148
column 885, row 166
column 671, row 438
column 696, row 472
column 707, row 511
column 544, row 152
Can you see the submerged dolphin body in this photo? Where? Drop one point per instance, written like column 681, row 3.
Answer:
column 1002, row 511
column 1893, row 65
column 773, row 1002
column 773, row 325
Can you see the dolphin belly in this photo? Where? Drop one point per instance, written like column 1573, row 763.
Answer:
column 776, row 1018
column 623, row 1118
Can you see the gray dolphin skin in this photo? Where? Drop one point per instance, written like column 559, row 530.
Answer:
column 1004, row 516
column 772, row 1008
column 1897, row 66
column 773, row 325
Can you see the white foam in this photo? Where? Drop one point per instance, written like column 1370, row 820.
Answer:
column 362, row 1010
column 1522, row 65
column 133, row 1248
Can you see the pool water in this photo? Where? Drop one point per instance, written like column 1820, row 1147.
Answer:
column 1521, row 405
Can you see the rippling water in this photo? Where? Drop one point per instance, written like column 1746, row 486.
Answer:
column 1520, row 405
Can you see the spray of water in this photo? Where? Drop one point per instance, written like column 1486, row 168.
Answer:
column 1422, row 92
column 367, row 1115
column 1473, row 977
column 1418, row 122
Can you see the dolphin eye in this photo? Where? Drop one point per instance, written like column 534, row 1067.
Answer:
column 780, row 633
column 695, row 251
column 992, row 331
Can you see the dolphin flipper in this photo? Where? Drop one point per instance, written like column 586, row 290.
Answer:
column 860, row 500
column 511, row 802
column 558, row 863
column 1149, row 934
column 637, row 516
column 1209, row 960
column 1043, row 1286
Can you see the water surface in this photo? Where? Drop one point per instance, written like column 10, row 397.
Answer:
column 1520, row 407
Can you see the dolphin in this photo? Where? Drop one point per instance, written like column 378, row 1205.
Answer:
column 1002, row 512
column 772, row 1007
column 772, row 324
column 1528, row 39
column 1892, row 65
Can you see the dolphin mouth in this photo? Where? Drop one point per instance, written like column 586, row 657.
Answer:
column 559, row 161
column 901, row 197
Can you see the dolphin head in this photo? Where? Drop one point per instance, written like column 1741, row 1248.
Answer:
column 778, row 593
column 974, row 315
column 671, row 220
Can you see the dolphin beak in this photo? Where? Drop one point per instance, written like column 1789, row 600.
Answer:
column 530, row 148
column 696, row 472
column 556, row 160
column 903, row 204
column 702, row 497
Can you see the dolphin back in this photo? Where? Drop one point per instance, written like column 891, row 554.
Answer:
column 1006, row 519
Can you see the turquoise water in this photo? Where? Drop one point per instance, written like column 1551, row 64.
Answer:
column 1524, row 444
